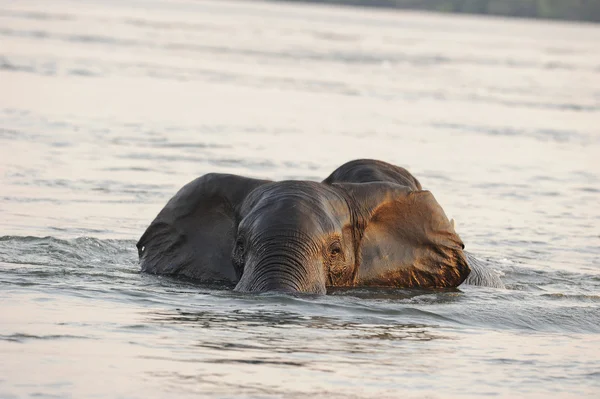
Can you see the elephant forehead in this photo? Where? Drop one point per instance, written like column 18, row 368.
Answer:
column 294, row 194
column 304, row 205
column 288, row 213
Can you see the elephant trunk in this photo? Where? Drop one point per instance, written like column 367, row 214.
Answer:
column 281, row 272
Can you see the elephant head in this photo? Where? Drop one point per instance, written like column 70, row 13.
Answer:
column 302, row 236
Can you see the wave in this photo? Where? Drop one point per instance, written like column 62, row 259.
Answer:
column 21, row 337
column 96, row 269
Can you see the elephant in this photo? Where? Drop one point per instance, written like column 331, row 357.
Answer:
column 369, row 224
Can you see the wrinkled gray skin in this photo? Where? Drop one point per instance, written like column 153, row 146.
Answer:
column 368, row 224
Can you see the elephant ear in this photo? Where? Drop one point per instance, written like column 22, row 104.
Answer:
column 194, row 234
column 407, row 239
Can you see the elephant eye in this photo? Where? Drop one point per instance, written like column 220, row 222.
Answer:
column 335, row 249
column 240, row 245
column 238, row 257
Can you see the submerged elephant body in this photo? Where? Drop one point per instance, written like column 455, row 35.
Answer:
column 368, row 224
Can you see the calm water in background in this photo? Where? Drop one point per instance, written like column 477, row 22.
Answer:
column 108, row 107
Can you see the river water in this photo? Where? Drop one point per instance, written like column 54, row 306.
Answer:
column 108, row 107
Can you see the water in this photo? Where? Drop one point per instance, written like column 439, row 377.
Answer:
column 108, row 108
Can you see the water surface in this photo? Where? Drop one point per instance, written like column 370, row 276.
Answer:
column 108, row 107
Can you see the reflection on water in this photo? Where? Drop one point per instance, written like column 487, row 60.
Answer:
column 108, row 108
column 240, row 319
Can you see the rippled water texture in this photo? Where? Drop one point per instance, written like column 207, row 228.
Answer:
column 109, row 107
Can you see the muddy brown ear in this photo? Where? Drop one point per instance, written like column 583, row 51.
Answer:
column 407, row 240
column 193, row 235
